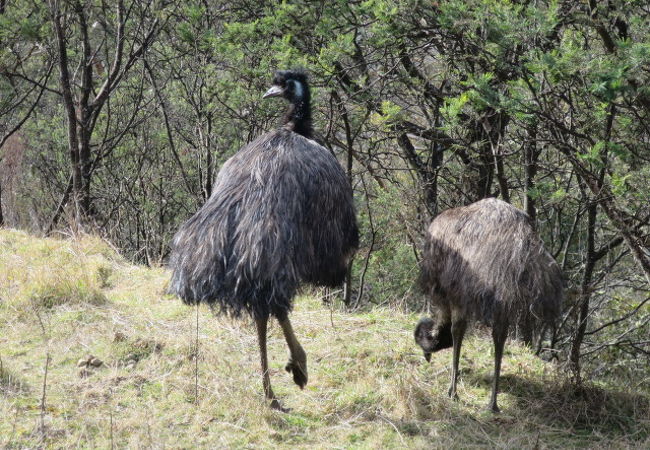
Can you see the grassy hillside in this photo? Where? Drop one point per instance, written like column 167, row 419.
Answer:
column 65, row 301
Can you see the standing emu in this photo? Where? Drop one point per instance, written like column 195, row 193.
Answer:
column 484, row 262
column 281, row 214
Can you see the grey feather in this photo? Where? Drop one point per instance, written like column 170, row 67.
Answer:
column 281, row 214
column 486, row 257
column 484, row 262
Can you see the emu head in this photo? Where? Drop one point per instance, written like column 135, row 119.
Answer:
column 432, row 336
column 290, row 84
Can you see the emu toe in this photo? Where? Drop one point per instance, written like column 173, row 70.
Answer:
column 452, row 394
column 275, row 404
column 494, row 408
column 299, row 372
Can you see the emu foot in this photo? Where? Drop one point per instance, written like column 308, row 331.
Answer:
column 275, row 404
column 493, row 408
column 452, row 394
column 298, row 370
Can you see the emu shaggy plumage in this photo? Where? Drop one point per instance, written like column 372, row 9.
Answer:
column 281, row 214
column 485, row 262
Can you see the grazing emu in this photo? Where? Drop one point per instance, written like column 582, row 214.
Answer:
column 281, row 213
column 484, row 262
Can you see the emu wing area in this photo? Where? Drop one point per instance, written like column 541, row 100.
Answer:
column 485, row 259
column 281, row 213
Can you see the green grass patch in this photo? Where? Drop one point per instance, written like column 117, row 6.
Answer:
column 369, row 386
column 40, row 274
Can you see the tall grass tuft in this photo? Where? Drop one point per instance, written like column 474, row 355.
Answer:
column 44, row 273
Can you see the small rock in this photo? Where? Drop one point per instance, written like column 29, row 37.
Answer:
column 95, row 362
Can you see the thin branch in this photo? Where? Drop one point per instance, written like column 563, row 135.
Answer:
column 29, row 113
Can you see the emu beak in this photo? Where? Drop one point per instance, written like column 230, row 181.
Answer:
column 275, row 91
column 427, row 356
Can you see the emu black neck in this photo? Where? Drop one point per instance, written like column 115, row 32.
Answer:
column 298, row 116
column 445, row 338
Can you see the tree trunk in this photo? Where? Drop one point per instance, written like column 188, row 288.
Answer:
column 85, row 164
column 426, row 173
column 530, row 167
column 530, row 171
column 347, row 287
column 84, row 130
column 204, row 140
column 494, row 128
column 585, row 292
column 71, row 115
column 2, row 219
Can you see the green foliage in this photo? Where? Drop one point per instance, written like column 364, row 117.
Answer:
column 391, row 266
column 389, row 114
column 484, row 90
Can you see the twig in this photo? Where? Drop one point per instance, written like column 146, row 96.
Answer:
column 13, row 429
column 29, row 113
column 196, row 359
column 110, row 415
column 43, row 396
column 384, row 418
column 47, row 365
column 331, row 308
column 373, row 234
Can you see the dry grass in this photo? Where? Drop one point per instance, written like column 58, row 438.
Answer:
column 369, row 386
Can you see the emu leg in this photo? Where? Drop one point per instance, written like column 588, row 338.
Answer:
column 526, row 327
column 457, row 333
column 297, row 364
column 266, row 379
column 499, row 335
